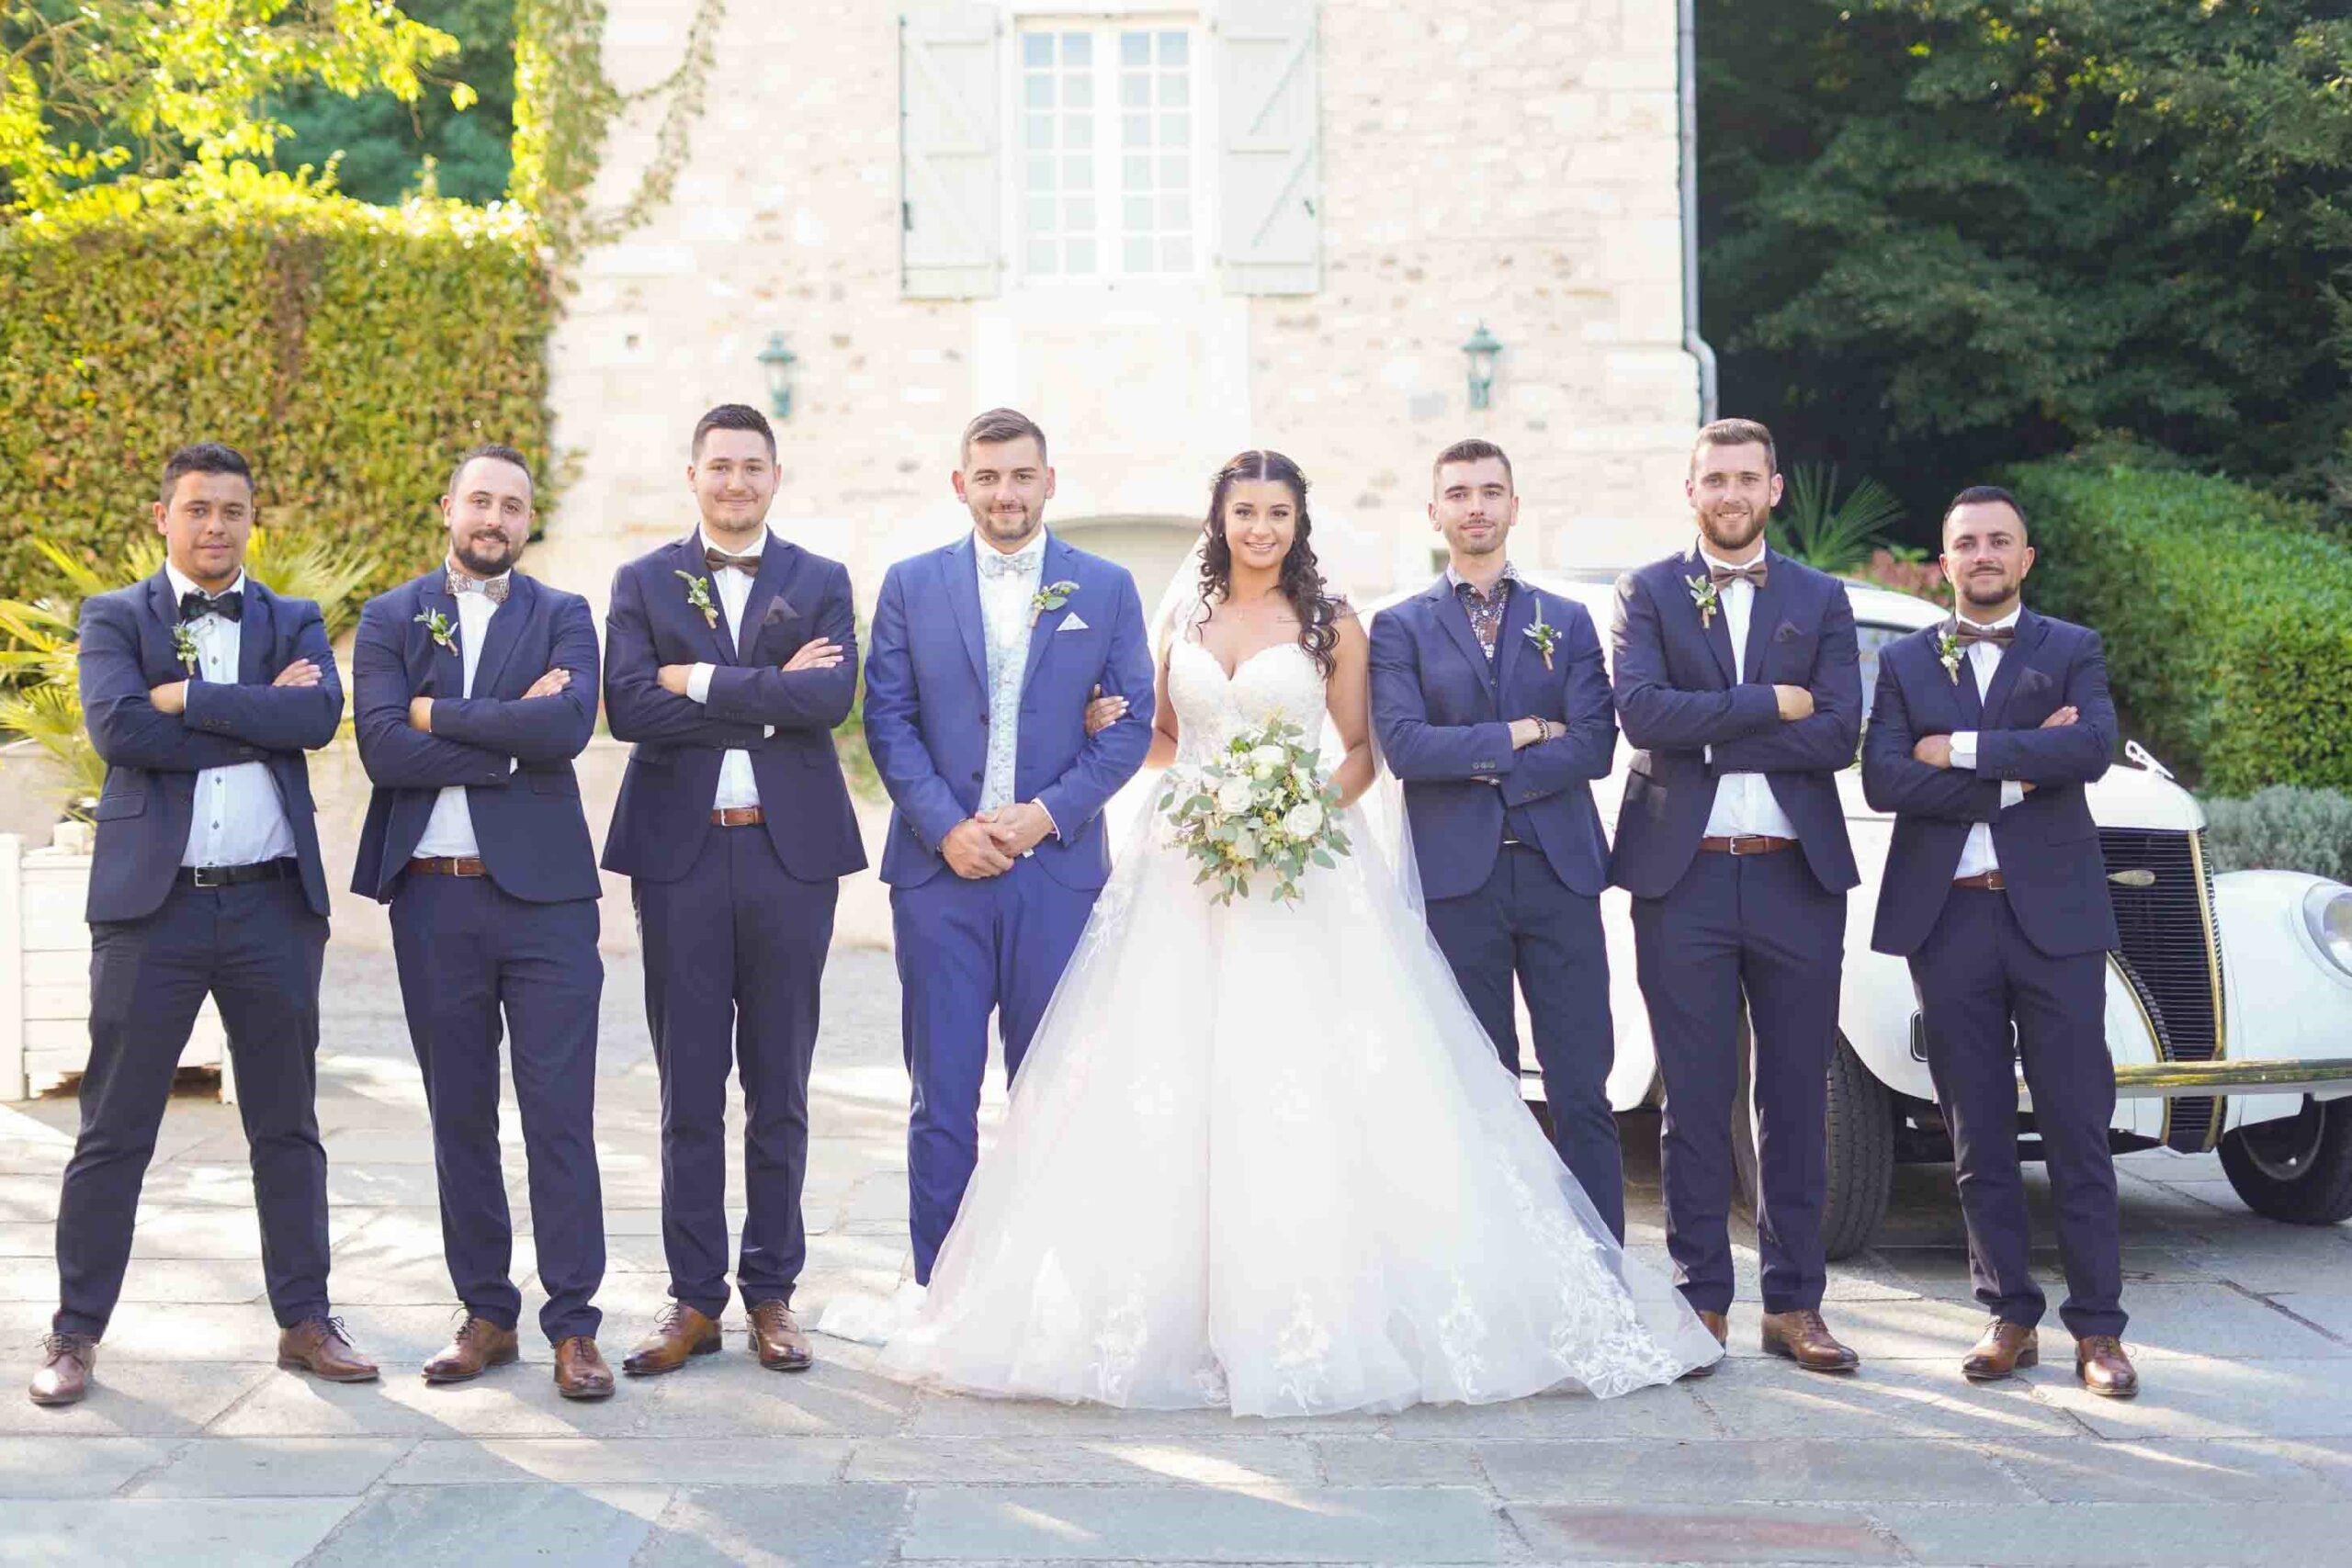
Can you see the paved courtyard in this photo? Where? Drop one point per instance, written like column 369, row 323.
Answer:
column 197, row 1450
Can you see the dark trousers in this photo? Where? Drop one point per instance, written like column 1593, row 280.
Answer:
column 734, row 958
column 1525, row 923
column 965, row 950
column 1762, row 930
column 1977, row 974
column 255, row 949
column 468, row 954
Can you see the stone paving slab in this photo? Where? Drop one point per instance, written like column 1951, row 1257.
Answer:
column 1556, row 1532
column 198, row 1533
column 781, row 1527
column 2123, row 1535
column 2166, row 1469
column 1768, row 1398
column 736, row 1460
column 1242, row 1462
column 87, row 1467
column 1858, row 1470
column 271, row 1467
column 1140, row 1523
column 522, row 1526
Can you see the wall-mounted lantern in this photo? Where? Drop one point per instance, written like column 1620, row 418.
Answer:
column 776, row 361
column 1481, row 352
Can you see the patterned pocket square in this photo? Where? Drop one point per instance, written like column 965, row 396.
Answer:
column 1071, row 623
column 1786, row 632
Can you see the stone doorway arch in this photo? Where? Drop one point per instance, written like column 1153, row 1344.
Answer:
column 1152, row 548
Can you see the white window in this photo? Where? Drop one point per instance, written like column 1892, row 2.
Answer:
column 1108, row 162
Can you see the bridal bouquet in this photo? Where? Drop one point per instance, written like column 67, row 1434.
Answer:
column 1261, row 804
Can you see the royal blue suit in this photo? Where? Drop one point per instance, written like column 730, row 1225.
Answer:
column 517, row 943
column 160, row 943
column 733, row 921
column 1509, row 843
column 968, row 948
column 2015, row 974
column 1713, row 929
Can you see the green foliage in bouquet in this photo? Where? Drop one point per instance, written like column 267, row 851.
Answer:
column 1260, row 805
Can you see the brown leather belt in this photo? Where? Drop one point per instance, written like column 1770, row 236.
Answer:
column 737, row 815
column 447, row 865
column 1747, row 844
column 279, row 870
column 1988, row 881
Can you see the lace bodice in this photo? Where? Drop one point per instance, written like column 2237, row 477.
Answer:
column 1280, row 681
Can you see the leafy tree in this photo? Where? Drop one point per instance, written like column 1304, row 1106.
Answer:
column 96, row 89
column 1943, row 234
column 383, row 142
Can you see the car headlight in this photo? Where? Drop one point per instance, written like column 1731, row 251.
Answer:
column 2327, row 915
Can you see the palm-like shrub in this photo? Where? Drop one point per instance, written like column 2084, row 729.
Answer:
column 1830, row 533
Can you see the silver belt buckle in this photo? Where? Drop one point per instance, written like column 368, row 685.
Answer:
column 1739, row 838
column 211, row 877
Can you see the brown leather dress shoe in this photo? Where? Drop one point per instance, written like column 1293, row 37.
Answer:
column 479, row 1345
column 2003, row 1349
column 679, row 1334
column 318, row 1346
column 776, row 1339
column 66, row 1363
column 580, row 1370
column 1804, row 1339
column 2104, row 1369
column 1719, row 1325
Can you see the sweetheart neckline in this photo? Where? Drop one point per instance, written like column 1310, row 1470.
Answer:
column 1235, row 673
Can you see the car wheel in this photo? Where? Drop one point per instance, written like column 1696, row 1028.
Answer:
column 1861, row 1138
column 2299, row 1171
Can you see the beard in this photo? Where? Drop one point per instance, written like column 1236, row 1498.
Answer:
column 1988, row 592
column 1475, row 547
column 1008, row 527
column 484, row 557
column 1728, row 530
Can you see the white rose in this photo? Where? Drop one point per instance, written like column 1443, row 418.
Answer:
column 1234, row 796
column 1270, row 757
column 1305, row 819
column 1245, row 847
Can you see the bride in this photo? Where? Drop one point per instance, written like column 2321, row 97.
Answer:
column 1261, row 1156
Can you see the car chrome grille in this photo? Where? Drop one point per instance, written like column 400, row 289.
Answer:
column 2162, row 886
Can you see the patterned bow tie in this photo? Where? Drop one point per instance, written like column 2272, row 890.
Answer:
column 195, row 604
column 494, row 590
column 717, row 560
column 1723, row 576
column 1966, row 632
column 994, row 563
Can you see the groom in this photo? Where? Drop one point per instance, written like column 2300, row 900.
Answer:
column 985, row 654
column 1494, row 710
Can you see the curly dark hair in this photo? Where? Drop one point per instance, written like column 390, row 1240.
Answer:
column 1302, row 583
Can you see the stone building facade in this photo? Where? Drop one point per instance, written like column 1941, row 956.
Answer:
column 1169, row 230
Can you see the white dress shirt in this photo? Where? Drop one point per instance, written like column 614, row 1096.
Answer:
column 450, row 829
column 737, row 787
column 1744, row 802
column 1976, row 856
column 1005, row 600
column 239, row 820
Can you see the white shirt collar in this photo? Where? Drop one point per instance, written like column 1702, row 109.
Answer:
column 758, row 547
column 1029, row 557
column 182, row 585
column 2009, row 620
column 1712, row 558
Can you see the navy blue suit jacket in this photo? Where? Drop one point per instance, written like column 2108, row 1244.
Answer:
column 512, row 756
column 1677, row 699
column 2047, row 843
column 1445, row 728
column 663, row 813
column 148, row 802
column 927, row 707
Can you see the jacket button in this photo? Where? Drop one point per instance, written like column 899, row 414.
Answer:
column 984, row 715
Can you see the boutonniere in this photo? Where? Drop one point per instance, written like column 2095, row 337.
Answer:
column 184, row 646
column 699, row 595
column 1707, row 596
column 1051, row 596
column 1948, row 651
column 1543, row 636
column 440, row 628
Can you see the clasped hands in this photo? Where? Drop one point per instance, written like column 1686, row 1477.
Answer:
column 1936, row 750
column 172, row 695
column 986, row 844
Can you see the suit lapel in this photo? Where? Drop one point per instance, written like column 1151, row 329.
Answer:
column 1055, row 569
column 448, row 665
column 166, row 611
column 254, row 633
column 2031, row 629
column 689, row 559
column 504, row 630
column 1446, row 604
column 1716, row 631
column 1764, row 614
column 960, row 577
column 777, row 563
column 1518, row 613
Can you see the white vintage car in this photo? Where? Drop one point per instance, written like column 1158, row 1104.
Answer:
column 2229, row 1006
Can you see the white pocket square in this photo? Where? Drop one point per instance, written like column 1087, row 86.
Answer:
column 1073, row 622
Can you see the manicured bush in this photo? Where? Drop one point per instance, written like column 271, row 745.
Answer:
column 2283, row 828
column 2226, row 613
column 350, row 351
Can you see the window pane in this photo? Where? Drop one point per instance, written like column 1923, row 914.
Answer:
column 1041, row 130
column 1036, row 49
column 1138, row 174
column 1081, row 256
column 1078, row 130
column 1134, row 90
column 1135, row 49
column 1078, row 174
column 1137, row 131
column 1173, row 47
column 1041, row 215
column 1138, row 213
column 1078, row 51
column 1041, row 90
column 1136, row 255
column 1175, row 90
column 1041, row 255
column 1078, row 92
column 1078, row 214
column 1176, row 211
column 1176, row 255
column 1041, row 174
column 1175, row 129
column 1175, row 172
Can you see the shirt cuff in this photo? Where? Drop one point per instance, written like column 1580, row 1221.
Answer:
column 1963, row 749
column 1050, row 823
column 698, row 682
column 2012, row 792
column 767, row 732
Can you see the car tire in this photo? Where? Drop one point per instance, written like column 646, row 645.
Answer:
column 2298, row 1171
column 1860, row 1141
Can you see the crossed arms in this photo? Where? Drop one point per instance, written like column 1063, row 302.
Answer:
column 188, row 725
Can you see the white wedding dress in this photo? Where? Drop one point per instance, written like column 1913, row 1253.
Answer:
column 1263, row 1158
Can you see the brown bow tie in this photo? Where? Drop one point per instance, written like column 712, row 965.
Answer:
column 1723, row 576
column 494, row 590
column 719, row 561
column 1965, row 632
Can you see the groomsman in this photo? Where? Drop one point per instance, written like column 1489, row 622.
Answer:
column 1494, row 710
column 1736, row 677
column 202, row 690
column 1983, row 734
column 985, row 655
column 475, row 688
column 729, row 657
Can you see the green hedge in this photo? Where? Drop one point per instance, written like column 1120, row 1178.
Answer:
column 2227, row 617
column 350, row 351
